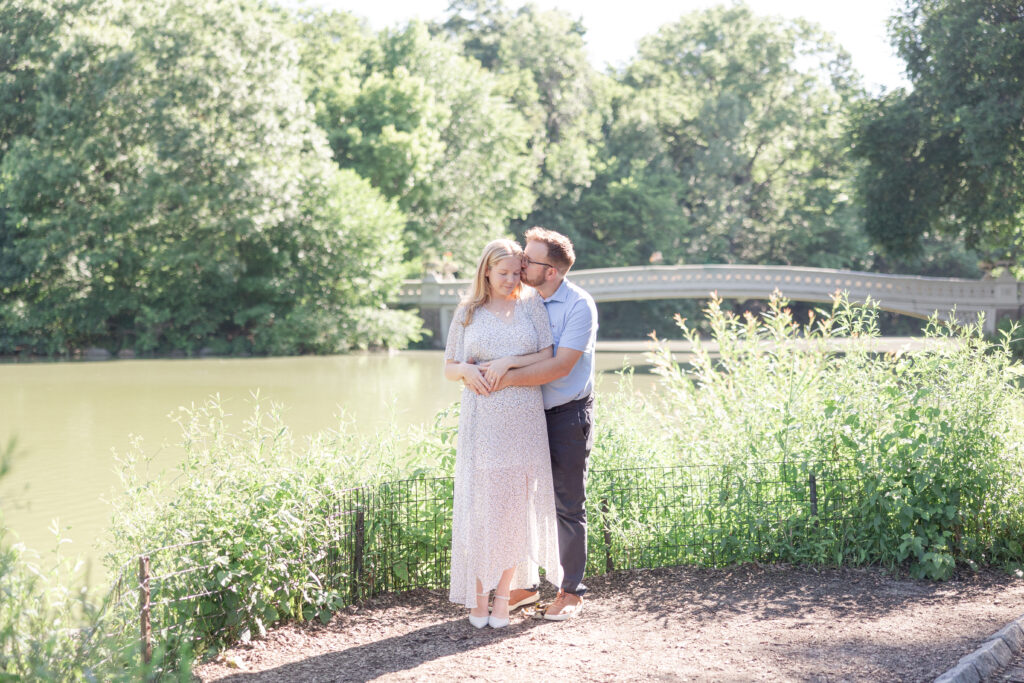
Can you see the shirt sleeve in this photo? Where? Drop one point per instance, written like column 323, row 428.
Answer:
column 455, row 348
column 541, row 323
column 580, row 327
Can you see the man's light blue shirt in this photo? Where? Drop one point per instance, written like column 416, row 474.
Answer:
column 573, row 317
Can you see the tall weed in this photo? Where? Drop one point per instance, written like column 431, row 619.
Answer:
column 51, row 628
column 923, row 448
column 249, row 528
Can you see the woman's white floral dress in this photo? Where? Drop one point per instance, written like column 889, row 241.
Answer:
column 504, row 509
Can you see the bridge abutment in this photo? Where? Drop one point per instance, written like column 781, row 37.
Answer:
column 436, row 300
column 437, row 319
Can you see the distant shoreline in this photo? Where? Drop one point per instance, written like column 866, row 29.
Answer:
column 881, row 344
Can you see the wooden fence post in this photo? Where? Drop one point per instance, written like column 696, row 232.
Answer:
column 145, row 627
column 609, row 566
column 814, row 497
column 357, row 553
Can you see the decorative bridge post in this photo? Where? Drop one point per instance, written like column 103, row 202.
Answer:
column 907, row 294
column 1010, row 298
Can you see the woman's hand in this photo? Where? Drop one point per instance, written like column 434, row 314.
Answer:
column 474, row 379
column 496, row 369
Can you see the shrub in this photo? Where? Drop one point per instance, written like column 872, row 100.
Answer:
column 923, row 448
column 254, row 527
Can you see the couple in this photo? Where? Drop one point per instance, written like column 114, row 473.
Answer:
column 526, row 358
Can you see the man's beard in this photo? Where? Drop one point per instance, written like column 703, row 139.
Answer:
column 535, row 283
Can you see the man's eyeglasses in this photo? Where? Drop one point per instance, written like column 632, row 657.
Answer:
column 528, row 261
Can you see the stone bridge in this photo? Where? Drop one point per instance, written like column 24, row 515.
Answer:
column 907, row 294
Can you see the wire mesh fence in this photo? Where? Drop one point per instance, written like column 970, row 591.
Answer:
column 396, row 536
column 713, row 516
column 390, row 537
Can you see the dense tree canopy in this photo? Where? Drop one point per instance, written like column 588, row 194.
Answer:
column 29, row 31
column 725, row 143
column 173, row 192
column 948, row 156
column 249, row 177
column 540, row 58
column 428, row 127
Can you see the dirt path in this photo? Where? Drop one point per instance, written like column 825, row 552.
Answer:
column 749, row 623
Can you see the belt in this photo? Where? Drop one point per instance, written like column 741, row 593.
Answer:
column 571, row 405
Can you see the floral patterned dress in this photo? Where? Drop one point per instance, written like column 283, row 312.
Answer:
column 504, row 508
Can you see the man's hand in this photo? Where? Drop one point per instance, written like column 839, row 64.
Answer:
column 494, row 370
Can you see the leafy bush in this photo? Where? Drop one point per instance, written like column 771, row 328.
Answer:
column 52, row 629
column 256, row 527
column 923, row 449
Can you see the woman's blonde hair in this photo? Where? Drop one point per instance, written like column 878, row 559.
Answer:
column 480, row 293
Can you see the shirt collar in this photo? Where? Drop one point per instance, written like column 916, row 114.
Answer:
column 561, row 294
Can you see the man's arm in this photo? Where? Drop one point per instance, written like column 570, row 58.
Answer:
column 541, row 372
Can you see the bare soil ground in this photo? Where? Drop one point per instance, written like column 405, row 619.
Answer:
column 746, row 623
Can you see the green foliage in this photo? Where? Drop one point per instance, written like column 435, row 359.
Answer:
column 724, row 142
column 263, row 507
column 29, row 40
column 541, row 61
column 919, row 453
column 175, row 193
column 428, row 127
column 50, row 631
column 37, row 613
column 946, row 156
column 51, row 628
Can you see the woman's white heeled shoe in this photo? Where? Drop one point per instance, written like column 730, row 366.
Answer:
column 480, row 622
column 495, row 622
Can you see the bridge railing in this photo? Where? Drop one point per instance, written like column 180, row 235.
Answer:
column 918, row 296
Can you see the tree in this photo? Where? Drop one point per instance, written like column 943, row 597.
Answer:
column 431, row 130
column 631, row 210
column 174, row 192
column 947, row 157
column 333, row 49
column 29, row 31
column 725, row 143
column 541, row 61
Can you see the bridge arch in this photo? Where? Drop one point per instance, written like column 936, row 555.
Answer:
column 912, row 295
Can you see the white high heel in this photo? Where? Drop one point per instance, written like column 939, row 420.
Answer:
column 480, row 622
column 495, row 622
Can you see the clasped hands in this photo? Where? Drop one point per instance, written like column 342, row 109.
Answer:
column 483, row 379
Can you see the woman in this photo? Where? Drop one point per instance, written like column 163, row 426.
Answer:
column 504, row 523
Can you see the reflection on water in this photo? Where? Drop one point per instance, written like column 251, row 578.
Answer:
column 71, row 418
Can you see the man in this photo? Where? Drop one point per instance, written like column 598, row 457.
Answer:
column 567, row 382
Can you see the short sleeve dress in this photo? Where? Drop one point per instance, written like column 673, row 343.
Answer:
column 504, row 507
